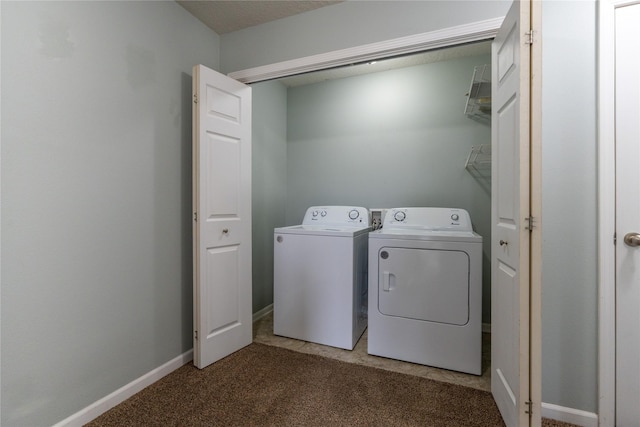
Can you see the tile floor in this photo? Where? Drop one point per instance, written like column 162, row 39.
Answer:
column 263, row 333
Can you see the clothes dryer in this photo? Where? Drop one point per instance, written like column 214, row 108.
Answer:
column 320, row 276
column 425, row 289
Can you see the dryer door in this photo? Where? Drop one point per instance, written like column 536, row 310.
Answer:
column 424, row 284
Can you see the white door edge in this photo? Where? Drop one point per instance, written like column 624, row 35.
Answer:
column 535, row 206
column 606, row 215
column 606, row 209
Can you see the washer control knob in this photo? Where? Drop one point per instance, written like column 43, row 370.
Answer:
column 314, row 214
column 455, row 217
column 399, row 216
column 354, row 214
column 323, row 213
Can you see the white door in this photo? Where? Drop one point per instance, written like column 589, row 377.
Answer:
column 510, row 206
column 222, row 215
column 627, row 128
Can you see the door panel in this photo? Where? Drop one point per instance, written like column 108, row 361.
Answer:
column 502, row 332
column 223, row 299
column 223, row 104
column 222, row 215
column 223, row 175
column 510, row 206
column 627, row 128
column 507, row 161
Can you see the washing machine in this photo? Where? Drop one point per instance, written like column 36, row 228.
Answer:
column 425, row 289
column 320, row 276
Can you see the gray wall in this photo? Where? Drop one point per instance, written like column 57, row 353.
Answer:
column 96, row 198
column 389, row 139
column 569, row 293
column 269, row 182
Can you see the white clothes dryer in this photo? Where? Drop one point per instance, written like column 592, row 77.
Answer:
column 320, row 276
column 425, row 289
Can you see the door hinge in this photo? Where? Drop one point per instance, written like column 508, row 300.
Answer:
column 195, row 216
column 195, row 335
column 195, row 98
column 528, row 408
column 529, row 37
column 615, row 238
column 530, row 223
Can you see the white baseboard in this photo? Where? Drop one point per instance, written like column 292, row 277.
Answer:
column 263, row 312
column 98, row 408
column 569, row 415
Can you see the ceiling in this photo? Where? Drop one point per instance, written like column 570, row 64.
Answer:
column 224, row 16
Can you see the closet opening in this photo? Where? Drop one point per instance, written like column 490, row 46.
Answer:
column 412, row 130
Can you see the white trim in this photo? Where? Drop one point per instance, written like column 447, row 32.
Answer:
column 98, row 408
column 535, row 209
column 481, row 30
column 569, row 415
column 606, row 210
column 263, row 312
column 606, row 216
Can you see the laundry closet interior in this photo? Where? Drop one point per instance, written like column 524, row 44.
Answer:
column 410, row 131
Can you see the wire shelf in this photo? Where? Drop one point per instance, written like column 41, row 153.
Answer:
column 478, row 105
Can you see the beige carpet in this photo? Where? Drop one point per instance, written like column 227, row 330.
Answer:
column 262, row 385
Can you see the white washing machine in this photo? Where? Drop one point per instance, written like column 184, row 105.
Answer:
column 425, row 289
column 320, row 276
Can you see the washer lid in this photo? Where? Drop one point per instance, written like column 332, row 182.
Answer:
column 323, row 230
column 419, row 234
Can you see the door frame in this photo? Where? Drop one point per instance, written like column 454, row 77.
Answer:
column 606, row 210
column 446, row 37
column 449, row 37
column 535, row 210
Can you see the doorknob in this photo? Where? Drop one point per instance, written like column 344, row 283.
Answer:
column 225, row 231
column 632, row 239
column 503, row 242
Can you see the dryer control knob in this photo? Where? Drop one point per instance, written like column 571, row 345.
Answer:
column 455, row 217
column 314, row 214
column 399, row 216
column 323, row 213
column 354, row 214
